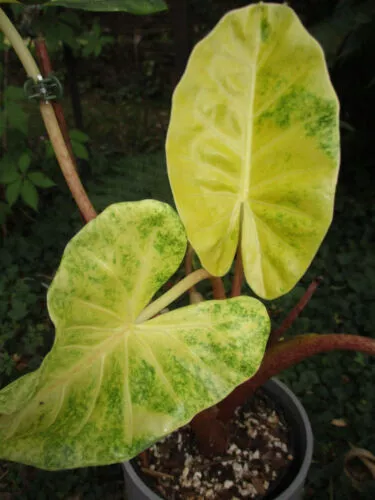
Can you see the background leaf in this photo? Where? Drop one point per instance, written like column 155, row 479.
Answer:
column 13, row 191
column 9, row 174
column 41, row 180
column 79, row 136
column 131, row 6
column 29, row 194
column 80, row 150
column 24, row 162
column 17, row 117
column 14, row 93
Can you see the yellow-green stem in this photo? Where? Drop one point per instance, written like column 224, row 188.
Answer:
column 19, row 46
column 50, row 121
column 65, row 161
column 174, row 293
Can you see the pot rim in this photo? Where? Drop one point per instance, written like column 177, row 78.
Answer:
column 300, row 476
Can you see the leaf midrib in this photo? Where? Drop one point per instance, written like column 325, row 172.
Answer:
column 246, row 162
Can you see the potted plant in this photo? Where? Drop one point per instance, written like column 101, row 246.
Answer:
column 253, row 155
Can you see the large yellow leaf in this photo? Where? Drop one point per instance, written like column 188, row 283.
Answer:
column 112, row 384
column 253, row 147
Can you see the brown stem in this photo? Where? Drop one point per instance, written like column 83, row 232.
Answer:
column 189, row 260
column 218, row 288
column 46, row 65
column 189, row 266
column 42, row 55
column 65, row 161
column 288, row 353
column 211, row 434
column 295, row 312
column 238, row 275
column 144, row 458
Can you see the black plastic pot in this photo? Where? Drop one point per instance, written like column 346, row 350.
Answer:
column 291, row 487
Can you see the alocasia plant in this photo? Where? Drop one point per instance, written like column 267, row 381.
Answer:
column 253, row 151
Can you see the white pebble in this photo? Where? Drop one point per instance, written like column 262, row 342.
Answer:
column 232, row 448
column 248, row 491
column 238, row 469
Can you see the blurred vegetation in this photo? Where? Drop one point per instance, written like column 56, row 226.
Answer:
column 125, row 68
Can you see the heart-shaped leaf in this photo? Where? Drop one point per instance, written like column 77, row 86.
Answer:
column 253, row 147
column 112, row 385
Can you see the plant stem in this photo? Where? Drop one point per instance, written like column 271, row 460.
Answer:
column 50, row 121
column 189, row 264
column 174, row 293
column 45, row 63
column 144, row 458
column 238, row 275
column 295, row 312
column 288, row 353
column 211, row 434
column 19, row 47
column 66, row 163
column 189, row 260
column 218, row 288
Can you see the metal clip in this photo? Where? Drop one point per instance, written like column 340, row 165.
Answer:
column 45, row 89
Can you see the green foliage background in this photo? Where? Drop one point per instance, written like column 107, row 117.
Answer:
column 125, row 88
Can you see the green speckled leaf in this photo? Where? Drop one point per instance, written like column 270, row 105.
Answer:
column 111, row 386
column 253, row 147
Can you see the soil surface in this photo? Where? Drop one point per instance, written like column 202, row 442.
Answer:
column 257, row 458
